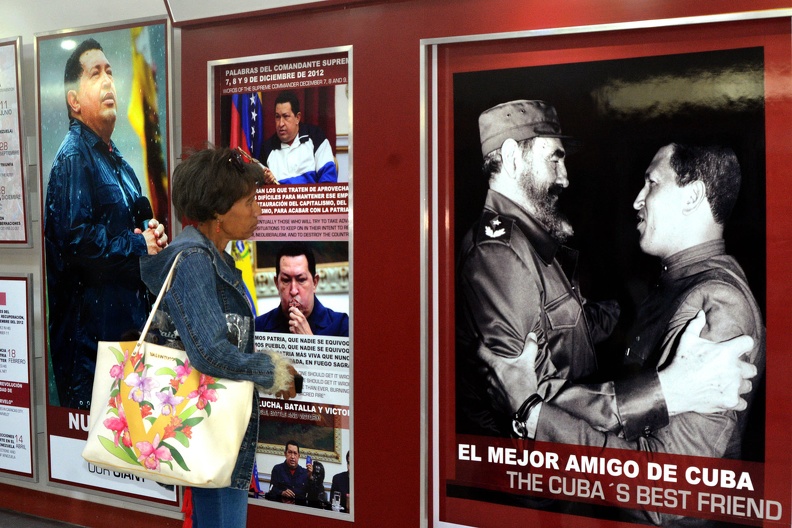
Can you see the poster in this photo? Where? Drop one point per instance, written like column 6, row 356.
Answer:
column 620, row 102
column 16, row 419
column 291, row 113
column 13, row 224
column 117, row 95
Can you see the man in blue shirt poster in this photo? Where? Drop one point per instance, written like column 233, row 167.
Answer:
column 97, row 224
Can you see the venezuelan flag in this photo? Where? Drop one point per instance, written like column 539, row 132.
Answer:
column 247, row 129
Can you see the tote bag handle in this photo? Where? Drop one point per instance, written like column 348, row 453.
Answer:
column 165, row 287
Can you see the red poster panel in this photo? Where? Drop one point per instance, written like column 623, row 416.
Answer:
column 566, row 235
column 290, row 113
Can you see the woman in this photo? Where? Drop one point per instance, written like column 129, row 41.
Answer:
column 216, row 189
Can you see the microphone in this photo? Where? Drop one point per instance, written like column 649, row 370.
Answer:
column 142, row 212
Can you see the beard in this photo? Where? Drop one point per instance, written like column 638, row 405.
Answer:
column 545, row 202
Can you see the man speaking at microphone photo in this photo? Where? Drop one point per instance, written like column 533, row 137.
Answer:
column 97, row 224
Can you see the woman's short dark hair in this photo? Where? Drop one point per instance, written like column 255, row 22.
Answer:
column 209, row 181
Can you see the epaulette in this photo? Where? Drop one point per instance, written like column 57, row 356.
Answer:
column 495, row 227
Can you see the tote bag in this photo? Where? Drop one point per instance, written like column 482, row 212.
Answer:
column 156, row 417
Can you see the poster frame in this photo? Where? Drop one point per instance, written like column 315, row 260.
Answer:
column 33, row 476
column 27, row 242
column 172, row 501
column 335, row 276
column 435, row 213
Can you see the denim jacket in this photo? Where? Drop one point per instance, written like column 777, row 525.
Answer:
column 205, row 287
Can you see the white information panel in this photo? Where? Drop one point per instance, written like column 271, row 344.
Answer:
column 13, row 226
column 16, row 448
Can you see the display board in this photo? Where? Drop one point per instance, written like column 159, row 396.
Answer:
column 17, row 443
column 290, row 114
column 13, row 198
column 103, row 156
column 621, row 94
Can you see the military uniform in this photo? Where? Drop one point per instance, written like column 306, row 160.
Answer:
column 514, row 278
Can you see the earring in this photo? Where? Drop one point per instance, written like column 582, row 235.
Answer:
column 217, row 229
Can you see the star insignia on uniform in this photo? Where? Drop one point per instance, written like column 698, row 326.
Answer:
column 494, row 233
